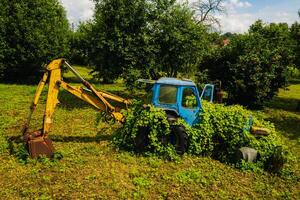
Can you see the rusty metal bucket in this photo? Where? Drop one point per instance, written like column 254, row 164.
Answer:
column 38, row 144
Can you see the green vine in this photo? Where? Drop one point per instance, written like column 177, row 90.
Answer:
column 221, row 132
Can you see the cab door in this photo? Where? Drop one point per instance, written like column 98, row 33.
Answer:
column 189, row 104
column 208, row 92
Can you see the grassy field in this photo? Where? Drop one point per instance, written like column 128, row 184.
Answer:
column 92, row 168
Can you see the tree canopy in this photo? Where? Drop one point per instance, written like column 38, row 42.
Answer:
column 254, row 65
column 295, row 34
column 152, row 37
column 32, row 33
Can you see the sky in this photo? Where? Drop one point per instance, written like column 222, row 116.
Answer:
column 239, row 16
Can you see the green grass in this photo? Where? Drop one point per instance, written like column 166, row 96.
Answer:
column 92, row 168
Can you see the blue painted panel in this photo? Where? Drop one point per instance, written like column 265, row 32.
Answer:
column 155, row 98
column 208, row 92
column 191, row 116
column 175, row 81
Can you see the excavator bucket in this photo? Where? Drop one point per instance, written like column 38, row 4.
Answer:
column 38, row 144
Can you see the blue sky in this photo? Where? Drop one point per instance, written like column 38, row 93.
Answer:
column 240, row 13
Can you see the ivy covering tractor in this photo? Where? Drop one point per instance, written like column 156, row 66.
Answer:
column 178, row 98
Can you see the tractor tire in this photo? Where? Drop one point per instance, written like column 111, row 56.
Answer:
column 141, row 141
column 179, row 138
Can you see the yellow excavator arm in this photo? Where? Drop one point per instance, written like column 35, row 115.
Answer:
column 38, row 142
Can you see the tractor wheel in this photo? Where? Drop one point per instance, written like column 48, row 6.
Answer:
column 141, row 140
column 179, row 138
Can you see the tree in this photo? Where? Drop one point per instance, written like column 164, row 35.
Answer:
column 144, row 39
column 118, row 37
column 295, row 34
column 253, row 66
column 80, row 44
column 32, row 33
column 180, row 42
column 207, row 9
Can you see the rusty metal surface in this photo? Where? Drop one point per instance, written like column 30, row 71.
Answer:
column 38, row 144
column 259, row 131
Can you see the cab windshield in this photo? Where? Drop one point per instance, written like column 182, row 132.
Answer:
column 167, row 94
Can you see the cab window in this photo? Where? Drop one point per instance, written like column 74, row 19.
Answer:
column 167, row 94
column 189, row 98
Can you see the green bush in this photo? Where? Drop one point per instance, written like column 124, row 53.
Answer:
column 229, row 126
column 221, row 132
column 138, row 117
column 253, row 66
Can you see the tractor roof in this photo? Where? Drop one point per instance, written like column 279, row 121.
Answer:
column 175, row 81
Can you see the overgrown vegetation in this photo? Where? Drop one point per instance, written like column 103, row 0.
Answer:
column 222, row 131
column 151, row 120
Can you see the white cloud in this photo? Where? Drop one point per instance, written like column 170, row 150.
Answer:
column 78, row 10
column 232, row 21
column 235, row 21
column 232, row 4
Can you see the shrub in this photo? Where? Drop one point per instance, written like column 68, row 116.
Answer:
column 230, row 130
column 151, row 118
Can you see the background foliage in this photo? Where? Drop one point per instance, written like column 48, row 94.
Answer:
column 118, row 37
column 295, row 34
column 254, row 65
column 33, row 32
column 153, row 37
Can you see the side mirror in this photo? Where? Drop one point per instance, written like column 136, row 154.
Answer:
column 208, row 92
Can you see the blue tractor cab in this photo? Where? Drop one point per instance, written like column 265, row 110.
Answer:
column 180, row 97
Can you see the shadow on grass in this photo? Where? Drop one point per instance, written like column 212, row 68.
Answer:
column 288, row 125
column 295, row 81
column 17, row 148
column 81, row 139
column 14, row 139
column 70, row 102
column 288, row 104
